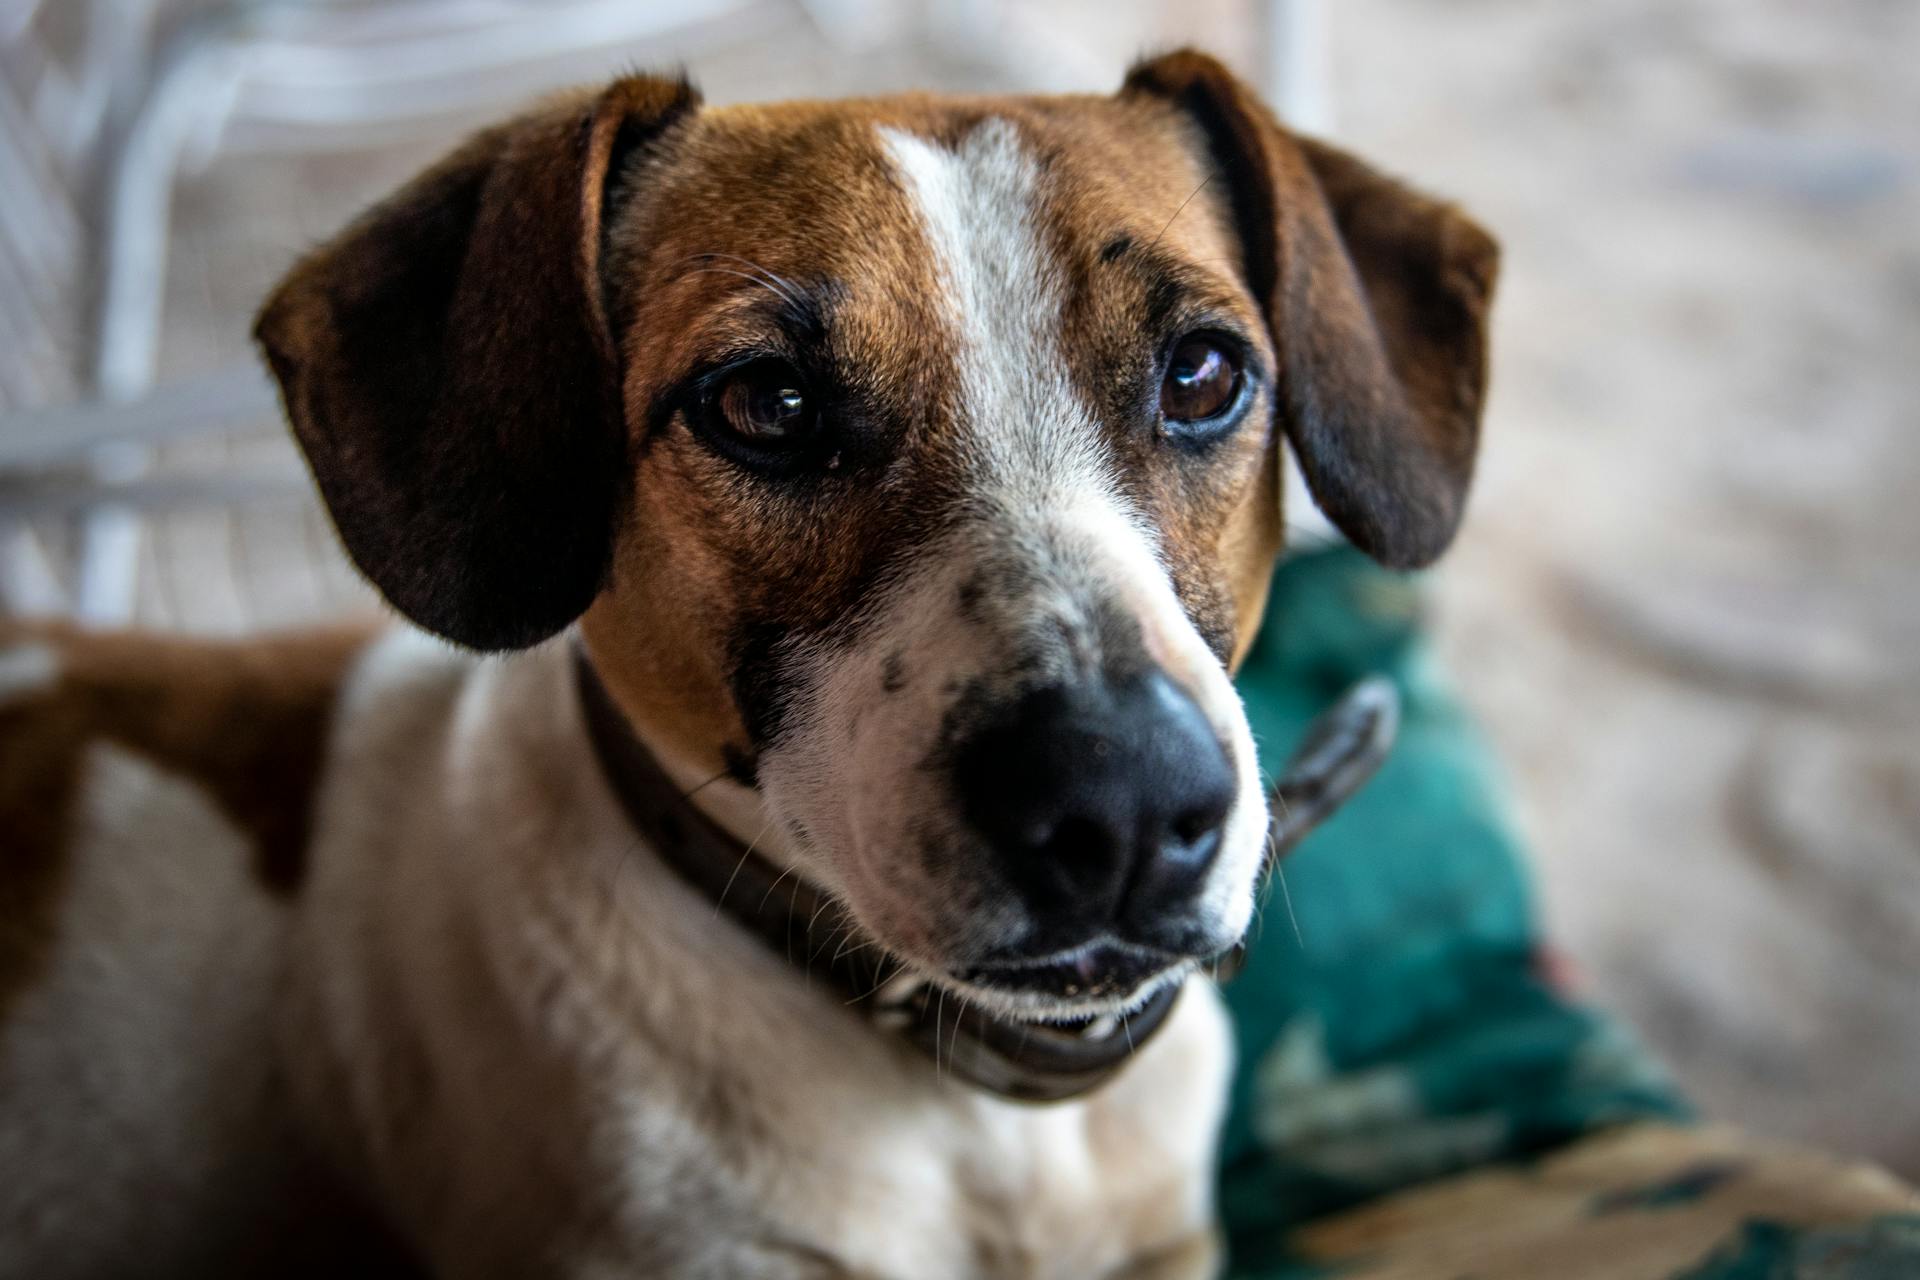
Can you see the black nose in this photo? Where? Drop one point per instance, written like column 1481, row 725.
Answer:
column 1103, row 802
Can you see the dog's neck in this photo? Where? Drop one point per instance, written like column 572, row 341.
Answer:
column 1023, row 1061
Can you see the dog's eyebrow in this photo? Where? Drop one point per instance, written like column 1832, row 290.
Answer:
column 1170, row 286
column 798, row 308
column 1174, row 290
column 800, row 313
column 803, row 313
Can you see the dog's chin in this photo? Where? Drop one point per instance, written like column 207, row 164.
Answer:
column 1098, row 979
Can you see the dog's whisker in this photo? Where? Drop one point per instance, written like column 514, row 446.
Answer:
column 814, row 952
column 1286, row 896
column 777, row 285
column 953, row 1045
column 839, row 935
column 729, row 271
column 721, row 901
column 853, row 936
column 772, row 279
column 881, row 976
column 1177, row 212
column 939, row 1017
column 842, row 933
column 793, row 909
column 702, row 786
column 776, row 884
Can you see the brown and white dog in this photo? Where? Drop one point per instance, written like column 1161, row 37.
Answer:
column 910, row 471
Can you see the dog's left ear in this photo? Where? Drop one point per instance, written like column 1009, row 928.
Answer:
column 449, row 371
column 1377, row 297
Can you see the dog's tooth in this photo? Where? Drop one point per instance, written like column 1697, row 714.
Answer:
column 892, row 1019
column 899, row 989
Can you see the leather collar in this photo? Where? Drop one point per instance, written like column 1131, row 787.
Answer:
column 1024, row 1061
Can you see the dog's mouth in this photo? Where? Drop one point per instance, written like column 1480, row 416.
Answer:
column 1080, row 984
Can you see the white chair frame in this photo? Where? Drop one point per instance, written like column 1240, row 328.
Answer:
column 275, row 75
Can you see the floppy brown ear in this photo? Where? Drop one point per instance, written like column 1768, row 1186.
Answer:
column 448, row 369
column 1377, row 297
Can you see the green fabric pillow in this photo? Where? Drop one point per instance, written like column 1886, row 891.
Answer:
column 1395, row 1022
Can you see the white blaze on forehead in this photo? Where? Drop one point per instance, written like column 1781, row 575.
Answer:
column 1036, row 444
column 1038, row 447
column 1004, row 300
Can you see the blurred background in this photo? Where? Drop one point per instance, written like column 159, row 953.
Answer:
column 1687, row 601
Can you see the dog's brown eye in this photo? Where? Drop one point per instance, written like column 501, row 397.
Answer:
column 765, row 404
column 1202, row 380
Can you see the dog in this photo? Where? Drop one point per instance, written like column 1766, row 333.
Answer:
column 837, row 510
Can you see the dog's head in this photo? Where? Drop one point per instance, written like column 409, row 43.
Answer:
column 915, row 461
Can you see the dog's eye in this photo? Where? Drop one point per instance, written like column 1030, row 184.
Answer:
column 1202, row 380
column 765, row 405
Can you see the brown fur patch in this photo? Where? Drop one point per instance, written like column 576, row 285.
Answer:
column 247, row 720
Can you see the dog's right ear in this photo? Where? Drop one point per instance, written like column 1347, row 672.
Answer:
column 448, row 368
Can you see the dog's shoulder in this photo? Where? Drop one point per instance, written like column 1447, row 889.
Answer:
column 243, row 722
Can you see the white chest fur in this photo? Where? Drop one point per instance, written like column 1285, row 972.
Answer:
column 517, row 1018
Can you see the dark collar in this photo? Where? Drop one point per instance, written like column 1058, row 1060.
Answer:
column 1026, row 1061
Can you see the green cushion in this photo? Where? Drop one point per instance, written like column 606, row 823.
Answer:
column 1886, row 1248
column 1395, row 1021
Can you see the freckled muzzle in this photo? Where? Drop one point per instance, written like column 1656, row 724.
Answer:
column 1103, row 805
